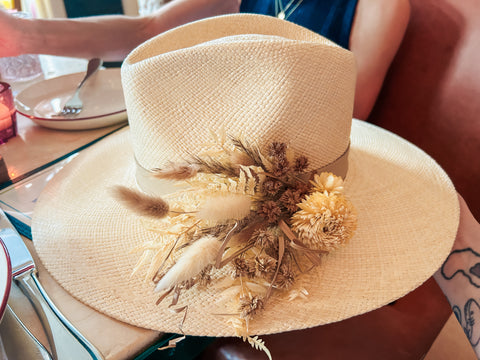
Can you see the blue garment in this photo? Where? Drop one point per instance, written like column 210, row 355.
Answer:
column 330, row 18
column 80, row 8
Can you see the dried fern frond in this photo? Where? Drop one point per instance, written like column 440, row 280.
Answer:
column 259, row 344
column 251, row 179
column 154, row 207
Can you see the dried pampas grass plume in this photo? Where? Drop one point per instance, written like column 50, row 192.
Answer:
column 140, row 203
column 196, row 257
column 225, row 207
column 176, row 171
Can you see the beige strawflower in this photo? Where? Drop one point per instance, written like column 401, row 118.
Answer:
column 328, row 182
column 325, row 222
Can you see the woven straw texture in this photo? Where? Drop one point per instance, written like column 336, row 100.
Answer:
column 253, row 75
column 408, row 214
column 407, row 206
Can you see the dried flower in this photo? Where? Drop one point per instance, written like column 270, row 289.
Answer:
column 195, row 259
column 271, row 186
column 302, row 188
column 325, row 222
column 285, row 277
column 265, row 265
column 290, row 199
column 280, row 166
column 301, row 164
column 176, row 171
column 263, row 237
column 277, row 149
column 270, row 211
column 327, row 182
column 242, row 267
column 250, row 305
column 225, row 207
column 140, row 203
column 279, row 158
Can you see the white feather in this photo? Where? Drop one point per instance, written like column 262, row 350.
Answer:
column 218, row 208
column 195, row 258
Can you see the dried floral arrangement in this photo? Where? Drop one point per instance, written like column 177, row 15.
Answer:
column 259, row 219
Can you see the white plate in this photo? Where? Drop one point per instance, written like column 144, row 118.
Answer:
column 5, row 277
column 102, row 96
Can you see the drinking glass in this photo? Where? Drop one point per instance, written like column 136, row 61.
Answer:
column 20, row 68
column 8, row 116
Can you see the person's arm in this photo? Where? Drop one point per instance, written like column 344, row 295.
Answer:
column 110, row 37
column 459, row 277
column 377, row 31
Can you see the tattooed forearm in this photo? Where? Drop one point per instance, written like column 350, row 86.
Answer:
column 461, row 271
column 459, row 276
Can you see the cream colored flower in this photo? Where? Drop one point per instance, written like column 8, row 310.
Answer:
column 328, row 182
column 325, row 222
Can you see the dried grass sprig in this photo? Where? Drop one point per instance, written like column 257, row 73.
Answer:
column 240, row 158
column 214, row 166
column 251, row 151
column 154, row 207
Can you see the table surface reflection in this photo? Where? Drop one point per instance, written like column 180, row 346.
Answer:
column 33, row 149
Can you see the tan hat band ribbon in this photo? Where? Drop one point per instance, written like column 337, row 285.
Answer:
column 337, row 167
column 155, row 186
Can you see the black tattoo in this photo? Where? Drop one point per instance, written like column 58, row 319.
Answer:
column 471, row 320
column 450, row 268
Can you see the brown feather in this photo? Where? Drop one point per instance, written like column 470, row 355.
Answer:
column 141, row 204
column 176, row 171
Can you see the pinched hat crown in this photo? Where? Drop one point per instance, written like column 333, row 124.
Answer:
column 252, row 75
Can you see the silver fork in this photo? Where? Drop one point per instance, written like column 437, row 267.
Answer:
column 75, row 105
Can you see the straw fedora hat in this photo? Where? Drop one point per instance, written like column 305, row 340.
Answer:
column 275, row 88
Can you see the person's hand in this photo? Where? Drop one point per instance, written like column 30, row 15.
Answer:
column 10, row 35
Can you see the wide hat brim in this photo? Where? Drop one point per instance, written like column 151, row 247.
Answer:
column 407, row 221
